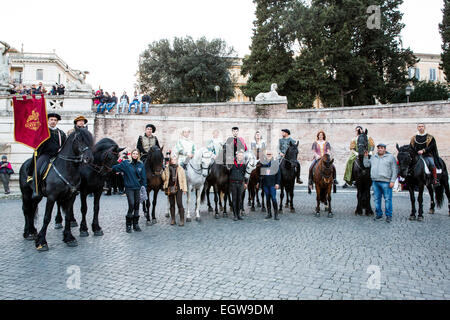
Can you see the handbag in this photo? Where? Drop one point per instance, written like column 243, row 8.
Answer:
column 172, row 190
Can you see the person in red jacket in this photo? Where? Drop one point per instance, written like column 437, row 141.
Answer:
column 6, row 171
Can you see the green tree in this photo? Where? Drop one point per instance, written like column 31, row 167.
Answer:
column 423, row 91
column 444, row 29
column 345, row 58
column 187, row 70
column 271, row 59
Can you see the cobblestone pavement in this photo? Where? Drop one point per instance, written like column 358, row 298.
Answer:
column 298, row 257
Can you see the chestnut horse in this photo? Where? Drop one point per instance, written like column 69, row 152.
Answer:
column 323, row 179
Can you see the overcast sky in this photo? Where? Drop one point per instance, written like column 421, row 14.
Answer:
column 106, row 37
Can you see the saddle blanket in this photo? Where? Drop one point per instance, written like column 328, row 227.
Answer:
column 427, row 170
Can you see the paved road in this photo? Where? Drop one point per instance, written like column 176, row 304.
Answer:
column 298, row 257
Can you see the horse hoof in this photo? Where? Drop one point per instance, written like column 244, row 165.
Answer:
column 419, row 218
column 258, row 205
column 210, row 209
column 252, row 209
column 73, row 224
column 148, row 223
column 42, row 247
column 317, row 214
column 153, row 221
column 98, row 233
column 412, row 218
column 217, row 216
column 330, row 215
column 225, row 215
column 263, row 210
column 31, row 237
column 84, row 234
column 431, row 211
column 58, row 226
column 188, row 219
column 292, row 210
column 73, row 243
column 286, row 206
column 197, row 219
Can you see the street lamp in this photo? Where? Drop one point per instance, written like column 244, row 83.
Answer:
column 217, row 89
column 408, row 91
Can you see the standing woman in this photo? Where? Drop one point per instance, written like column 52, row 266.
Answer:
column 174, row 185
column 134, row 178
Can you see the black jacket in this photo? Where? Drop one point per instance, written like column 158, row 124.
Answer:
column 51, row 146
column 237, row 172
column 271, row 178
column 140, row 147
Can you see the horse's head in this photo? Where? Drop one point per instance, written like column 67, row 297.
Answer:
column 251, row 161
column 106, row 154
column 82, row 142
column 292, row 151
column 362, row 143
column 207, row 161
column 155, row 160
column 405, row 160
column 327, row 162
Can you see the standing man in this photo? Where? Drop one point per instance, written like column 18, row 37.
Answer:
column 233, row 145
column 6, row 171
column 425, row 145
column 184, row 148
column 270, row 180
column 238, row 183
column 146, row 141
column 383, row 171
column 47, row 150
column 283, row 145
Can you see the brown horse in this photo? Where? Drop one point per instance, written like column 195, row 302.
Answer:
column 153, row 169
column 323, row 179
column 253, row 190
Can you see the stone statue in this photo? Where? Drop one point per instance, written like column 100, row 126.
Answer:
column 79, row 87
column 271, row 96
column 4, row 67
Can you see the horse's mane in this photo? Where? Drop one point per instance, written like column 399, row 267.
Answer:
column 84, row 134
column 154, row 157
column 293, row 146
column 105, row 144
column 405, row 148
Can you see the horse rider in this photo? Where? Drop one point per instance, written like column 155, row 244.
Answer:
column 233, row 145
column 269, row 181
column 146, row 141
column 258, row 145
column 320, row 147
column 238, row 183
column 214, row 144
column 425, row 145
column 47, row 150
column 283, row 145
column 184, row 148
column 354, row 155
column 78, row 122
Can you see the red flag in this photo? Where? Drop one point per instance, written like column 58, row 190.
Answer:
column 30, row 121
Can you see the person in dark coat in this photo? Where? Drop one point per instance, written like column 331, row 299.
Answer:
column 47, row 150
column 238, row 183
column 269, row 180
column 425, row 145
column 134, row 178
column 6, row 171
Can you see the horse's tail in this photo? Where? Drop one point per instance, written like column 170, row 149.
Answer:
column 439, row 190
column 202, row 196
column 334, row 188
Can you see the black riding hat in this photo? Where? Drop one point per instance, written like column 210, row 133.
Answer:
column 54, row 115
column 287, row 131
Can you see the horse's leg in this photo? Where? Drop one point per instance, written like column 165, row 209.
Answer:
column 359, row 198
column 207, row 190
column 242, row 204
column 68, row 238
column 263, row 206
column 95, row 224
column 258, row 203
column 198, row 192
column 155, row 199
column 432, row 203
column 29, row 208
column 83, row 225
column 215, row 201
column 58, row 218
column 281, row 200
column 41, row 242
column 447, row 193
column 330, row 214
column 252, row 194
column 287, row 197
column 146, row 208
column 291, row 198
column 420, row 200
column 369, row 211
column 413, row 203
column 73, row 222
column 188, row 202
column 317, row 200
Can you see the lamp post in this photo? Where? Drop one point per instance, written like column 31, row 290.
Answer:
column 408, row 91
column 217, row 89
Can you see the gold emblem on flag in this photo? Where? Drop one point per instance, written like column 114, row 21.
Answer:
column 33, row 122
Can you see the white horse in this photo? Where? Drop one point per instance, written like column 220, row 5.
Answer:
column 251, row 161
column 196, row 172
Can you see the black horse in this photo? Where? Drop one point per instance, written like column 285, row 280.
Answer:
column 412, row 169
column 287, row 167
column 361, row 176
column 60, row 185
column 153, row 169
column 218, row 178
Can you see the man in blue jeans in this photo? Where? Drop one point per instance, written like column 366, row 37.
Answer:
column 383, row 171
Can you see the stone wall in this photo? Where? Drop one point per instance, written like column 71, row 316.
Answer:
column 390, row 124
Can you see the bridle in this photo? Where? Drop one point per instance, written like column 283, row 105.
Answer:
column 323, row 169
column 75, row 159
column 199, row 171
column 103, row 169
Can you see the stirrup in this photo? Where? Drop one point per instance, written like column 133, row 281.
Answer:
column 29, row 178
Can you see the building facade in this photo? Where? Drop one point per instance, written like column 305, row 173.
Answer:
column 427, row 69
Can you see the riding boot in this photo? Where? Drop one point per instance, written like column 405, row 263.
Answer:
column 172, row 217
column 128, row 224
column 299, row 180
column 269, row 210
column 310, row 178
column 136, row 224
column 435, row 179
column 275, row 211
column 35, row 194
column 181, row 212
